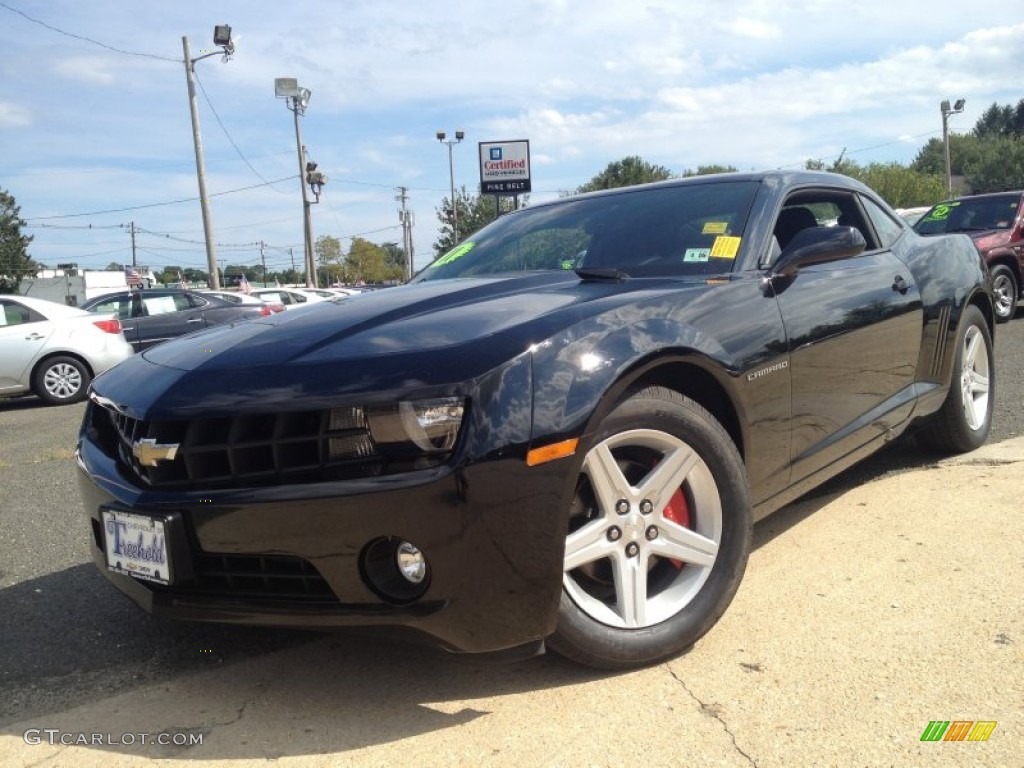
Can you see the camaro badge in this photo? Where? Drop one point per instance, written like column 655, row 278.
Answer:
column 149, row 451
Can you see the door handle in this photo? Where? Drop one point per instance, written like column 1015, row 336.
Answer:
column 900, row 285
column 34, row 336
column 195, row 320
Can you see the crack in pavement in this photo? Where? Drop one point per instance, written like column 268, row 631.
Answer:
column 713, row 713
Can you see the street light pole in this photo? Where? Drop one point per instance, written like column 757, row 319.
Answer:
column 946, row 112
column 442, row 137
column 222, row 38
column 296, row 99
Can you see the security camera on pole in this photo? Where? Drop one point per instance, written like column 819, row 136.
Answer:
column 297, row 99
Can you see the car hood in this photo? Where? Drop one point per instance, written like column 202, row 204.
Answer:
column 424, row 335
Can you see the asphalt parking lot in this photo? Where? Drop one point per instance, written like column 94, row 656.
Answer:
column 888, row 599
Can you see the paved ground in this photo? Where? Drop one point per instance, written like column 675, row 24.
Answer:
column 867, row 612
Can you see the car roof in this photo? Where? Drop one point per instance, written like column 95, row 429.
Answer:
column 49, row 308
column 772, row 178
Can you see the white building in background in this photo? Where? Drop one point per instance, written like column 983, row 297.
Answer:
column 70, row 285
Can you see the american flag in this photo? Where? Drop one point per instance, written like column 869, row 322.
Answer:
column 244, row 286
column 182, row 282
column 133, row 277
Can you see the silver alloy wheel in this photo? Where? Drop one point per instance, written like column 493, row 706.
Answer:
column 974, row 378
column 62, row 381
column 1005, row 294
column 657, row 566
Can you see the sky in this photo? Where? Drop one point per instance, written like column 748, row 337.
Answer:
column 96, row 139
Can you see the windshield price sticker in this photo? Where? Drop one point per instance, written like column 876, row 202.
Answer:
column 941, row 211
column 136, row 545
column 725, row 247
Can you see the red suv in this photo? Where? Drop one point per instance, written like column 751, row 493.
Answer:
column 996, row 224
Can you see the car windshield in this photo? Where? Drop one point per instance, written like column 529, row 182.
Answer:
column 685, row 229
column 970, row 214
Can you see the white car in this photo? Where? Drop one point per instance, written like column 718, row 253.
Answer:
column 54, row 350
column 291, row 298
column 237, row 297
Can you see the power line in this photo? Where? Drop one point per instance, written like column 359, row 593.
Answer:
column 220, row 122
column 155, row 205
column 85, row 39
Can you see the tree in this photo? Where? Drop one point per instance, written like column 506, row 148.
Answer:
column 475, row 212
column 625, row 173
column 395, row 255
column 328, row 254
column 999, row 121
column 898, row 185
column 15, row 263
column 367, row 262
column 997, row 165
column 706, row 170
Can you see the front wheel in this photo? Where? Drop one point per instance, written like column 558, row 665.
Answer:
column 659, row 534
column 1005, row 290
column 963, row 422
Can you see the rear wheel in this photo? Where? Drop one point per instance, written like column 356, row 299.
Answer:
column 1006, row 290
column 60, row 380
column 965, row 418
column 659, row 534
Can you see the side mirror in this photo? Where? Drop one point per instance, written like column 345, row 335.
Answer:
column 819, row 245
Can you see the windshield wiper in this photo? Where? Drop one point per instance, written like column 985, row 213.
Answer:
column 594, row 273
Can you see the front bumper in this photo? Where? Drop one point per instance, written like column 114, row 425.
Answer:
column 493, row 534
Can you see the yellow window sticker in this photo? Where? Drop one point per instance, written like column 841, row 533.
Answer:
column 725, row 247
column 455, row 253
column 715, row 228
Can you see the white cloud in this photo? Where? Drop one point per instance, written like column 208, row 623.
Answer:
column 14, row 115
column 87, row 69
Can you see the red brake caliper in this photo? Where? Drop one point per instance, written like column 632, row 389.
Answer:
column 678, row 512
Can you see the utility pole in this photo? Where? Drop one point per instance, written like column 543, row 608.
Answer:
column 132, row 230
column 204, row 198
column 406, row 218
column 263, row 259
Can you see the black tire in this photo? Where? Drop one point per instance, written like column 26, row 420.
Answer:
column 661, row 447
column 1006, row 290
column 963, row 422
column 60, row 380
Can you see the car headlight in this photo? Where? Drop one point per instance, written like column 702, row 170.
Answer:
column 403, row 430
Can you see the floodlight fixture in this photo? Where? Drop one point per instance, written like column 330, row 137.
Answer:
column 222, row 38
column 286, row 87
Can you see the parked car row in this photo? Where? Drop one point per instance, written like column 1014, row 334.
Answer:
column 55, row 351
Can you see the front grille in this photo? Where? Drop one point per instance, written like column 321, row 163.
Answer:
column 255, row 577
column 241, row 451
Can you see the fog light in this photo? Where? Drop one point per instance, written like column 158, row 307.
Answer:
column 411, row 563
column 395, row 569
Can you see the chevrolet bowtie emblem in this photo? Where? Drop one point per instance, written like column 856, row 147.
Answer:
column 149, row 451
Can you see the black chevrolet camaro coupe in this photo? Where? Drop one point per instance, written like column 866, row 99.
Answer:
column 559, row 434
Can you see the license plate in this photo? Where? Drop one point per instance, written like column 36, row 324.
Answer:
column 136, row 545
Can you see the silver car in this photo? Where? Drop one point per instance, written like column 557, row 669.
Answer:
column 53, row 350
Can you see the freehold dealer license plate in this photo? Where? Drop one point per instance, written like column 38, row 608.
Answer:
column 136, row 545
